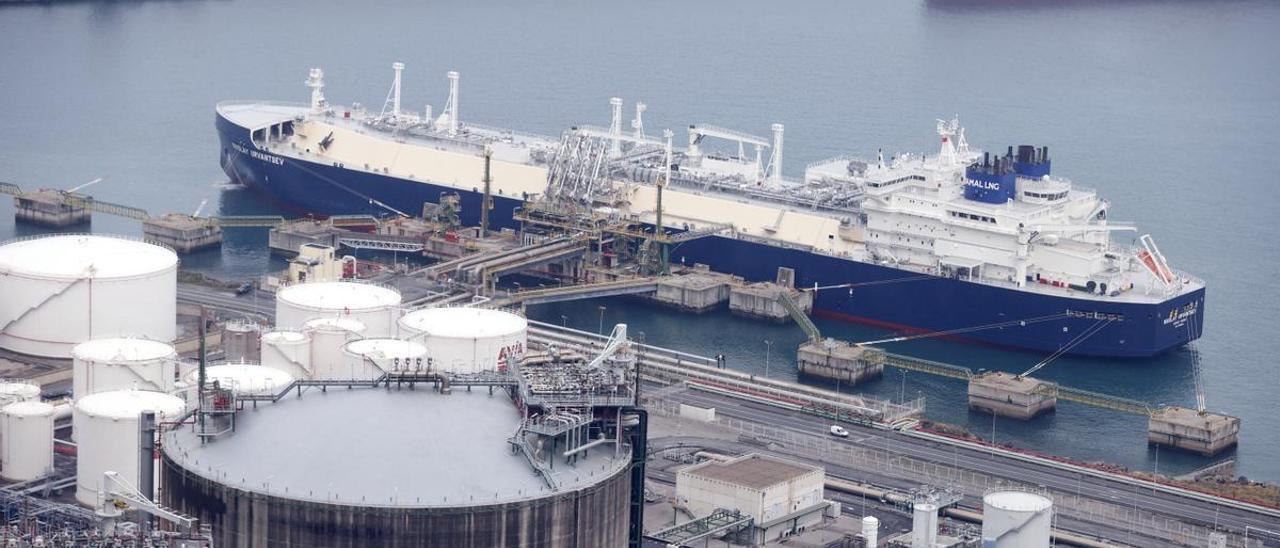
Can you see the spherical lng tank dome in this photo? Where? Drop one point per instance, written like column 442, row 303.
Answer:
column 467, row 340
column 1017, row 518
column 26, row 446
column 121, row 363
column 376, row 306
column 106, row 427
column 244, row 378
column 60, row 290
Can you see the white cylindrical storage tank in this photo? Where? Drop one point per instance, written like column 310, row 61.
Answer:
column 106, row 426
column 26, row 440
column 244, row 378
column 924, row 525
column 370, row 358
column 288, row 351
column 467, row 340
column 61, row 290
column 16, row 391
column 376, row 306
column 101, row 365
column 328, row 337
column 1016, row 519
column 240, row 342
column 871, row 531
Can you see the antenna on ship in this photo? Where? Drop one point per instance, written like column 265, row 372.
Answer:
column 315, row 81
column 393, row 98
column 615, row 127
column 948, row 130
column 638, row 122
column 449, row 118
column 775, row 161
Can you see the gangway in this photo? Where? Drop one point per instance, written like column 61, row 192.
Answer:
column 799, row 316
column 382, row 244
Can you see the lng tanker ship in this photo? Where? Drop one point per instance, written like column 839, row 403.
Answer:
column 989, row 247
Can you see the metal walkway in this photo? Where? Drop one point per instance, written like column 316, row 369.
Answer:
column 382, row 244
column 720, row 522
column 575, row 292
column 799, row 316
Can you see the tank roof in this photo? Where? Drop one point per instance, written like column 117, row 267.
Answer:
column 76, row 255
column 20, row 389
column 244, row 378
column 360, row 452
column 28, row 409
column 340, row 295
column 463, row 322
column 382, row 348
column 284, row 335
column 122, row 349
column 128, row 404
column 1017, row 501
column 344, row 324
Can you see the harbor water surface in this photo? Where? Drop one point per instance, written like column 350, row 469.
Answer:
column 1168, row 108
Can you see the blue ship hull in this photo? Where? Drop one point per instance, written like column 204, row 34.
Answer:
column 924, row 304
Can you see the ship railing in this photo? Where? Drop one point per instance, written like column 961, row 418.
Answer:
column 522, row 135
column 843, row 158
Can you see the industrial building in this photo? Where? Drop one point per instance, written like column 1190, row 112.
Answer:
column 781, row 497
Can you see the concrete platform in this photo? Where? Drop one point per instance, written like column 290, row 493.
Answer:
column 698, row 291
column 286, row 239
column 1009, row 395
column 1207, row 434
column 763, row 301
column 183, row 233
column 48, row 207
column 839, row 360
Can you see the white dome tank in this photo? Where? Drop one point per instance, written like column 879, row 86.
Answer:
column 370, row 358
column 1016, row 519
column 100, row 365
column 106, row 427
column 61, row 290
column 26, row 440
column 16, row 391
column 244, row 378
column 288, row 351
column 376, row 306
column 328, row 337
column 467, row 340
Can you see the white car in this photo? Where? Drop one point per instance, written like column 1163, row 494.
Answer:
column 839, row 431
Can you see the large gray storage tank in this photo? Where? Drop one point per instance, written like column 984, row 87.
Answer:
column 399, row 468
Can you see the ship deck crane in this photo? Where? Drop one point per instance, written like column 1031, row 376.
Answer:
column 697, row 132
